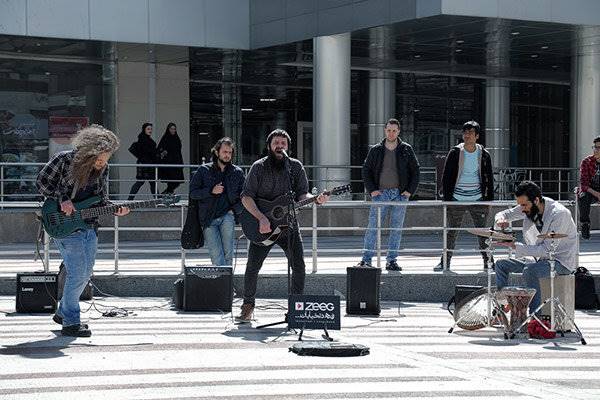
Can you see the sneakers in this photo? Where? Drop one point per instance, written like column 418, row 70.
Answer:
column 363, row 264
column 246, row 314
column 393, row 266
column 59, row 320
column 76, row 331
column 585, row 230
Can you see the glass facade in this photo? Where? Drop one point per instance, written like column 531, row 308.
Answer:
column 48, row 90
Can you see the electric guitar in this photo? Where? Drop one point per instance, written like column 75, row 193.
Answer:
column 59, row 225
column 276, row 212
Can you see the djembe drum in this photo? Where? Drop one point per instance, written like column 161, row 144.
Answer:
column 518, row 299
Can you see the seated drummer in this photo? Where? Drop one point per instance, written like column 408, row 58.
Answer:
column 544, row 215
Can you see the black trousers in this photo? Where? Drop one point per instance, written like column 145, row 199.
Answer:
column 257, row 255
column 136, row 187
column 171, row 186
column 456, row 215
column 585, row 201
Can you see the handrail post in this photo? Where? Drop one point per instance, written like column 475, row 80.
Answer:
column 314, row 238
column 182, row 249
column 559, row 185
column 155, row 194
column 576, row 212
column 46, row 252
column 445, row 236
column 116, row 244
column 378, row 237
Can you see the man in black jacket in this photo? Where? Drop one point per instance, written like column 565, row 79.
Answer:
column 391, row 174
column 467, row 176
column 217, row 187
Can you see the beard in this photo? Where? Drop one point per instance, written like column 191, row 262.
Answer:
column 533, row 212
column 225, row 163
column 276, row 162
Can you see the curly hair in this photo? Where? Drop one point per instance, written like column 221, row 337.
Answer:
column 89, row 143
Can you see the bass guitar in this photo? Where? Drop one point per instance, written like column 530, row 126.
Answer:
column 59, row 225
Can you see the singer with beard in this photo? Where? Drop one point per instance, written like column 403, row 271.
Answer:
column 540, row 214
column 268, row 179
column 217, row 186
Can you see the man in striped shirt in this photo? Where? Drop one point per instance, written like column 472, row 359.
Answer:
column 467, row 176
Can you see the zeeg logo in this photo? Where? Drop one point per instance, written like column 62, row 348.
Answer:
column 313, row 306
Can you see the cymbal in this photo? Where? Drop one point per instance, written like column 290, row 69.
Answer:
column 552, row 235
column 485, row 232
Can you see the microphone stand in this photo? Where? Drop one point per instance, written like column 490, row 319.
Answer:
column 292, row 226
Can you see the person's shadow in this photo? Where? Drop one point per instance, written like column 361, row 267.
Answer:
column 46, row 348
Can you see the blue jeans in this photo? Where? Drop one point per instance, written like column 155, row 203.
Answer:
column 218, row 238
column 396, row 221
column 78, row 251
column 532, row 272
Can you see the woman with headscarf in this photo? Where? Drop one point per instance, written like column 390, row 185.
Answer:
column 145, row 152
column 169, row 150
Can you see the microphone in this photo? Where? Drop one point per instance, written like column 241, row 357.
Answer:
column 285, row 154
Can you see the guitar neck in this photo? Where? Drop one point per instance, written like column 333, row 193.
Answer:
column 111, row 209
column 307, row 201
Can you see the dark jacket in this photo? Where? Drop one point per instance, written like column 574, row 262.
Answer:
column 453, row 166
column 202, row 183
column 406, row 163
column 145, row 152
column 170, row 146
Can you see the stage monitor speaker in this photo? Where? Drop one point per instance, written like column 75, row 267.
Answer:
column 36, row 292
column 362, row 291
column 208, row 288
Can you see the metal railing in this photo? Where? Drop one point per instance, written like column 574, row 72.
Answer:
column 314, row 229
column 17, row 180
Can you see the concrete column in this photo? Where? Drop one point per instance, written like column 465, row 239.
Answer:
column 585, row 93
column 497, row 93
column 382, row 85
column 331, row 107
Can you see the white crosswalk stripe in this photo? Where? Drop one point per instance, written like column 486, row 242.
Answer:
column 158, row 353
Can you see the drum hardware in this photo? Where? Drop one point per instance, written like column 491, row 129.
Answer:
column 493, row 307
column 554, row 301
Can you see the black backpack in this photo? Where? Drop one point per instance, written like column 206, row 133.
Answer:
column 586, row 297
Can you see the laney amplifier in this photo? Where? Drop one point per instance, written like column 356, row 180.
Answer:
column 362, row 290
column 36, row 292
column 208, row 288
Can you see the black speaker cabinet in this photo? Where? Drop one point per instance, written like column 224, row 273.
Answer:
column 208, row 288
column 36, row 292
column 362, row 290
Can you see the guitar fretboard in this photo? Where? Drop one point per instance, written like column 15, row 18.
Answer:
column 309, row 200
column 104, row 210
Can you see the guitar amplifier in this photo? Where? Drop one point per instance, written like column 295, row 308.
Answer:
column 362, row 290
column 36, row 292
column 208, row 288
